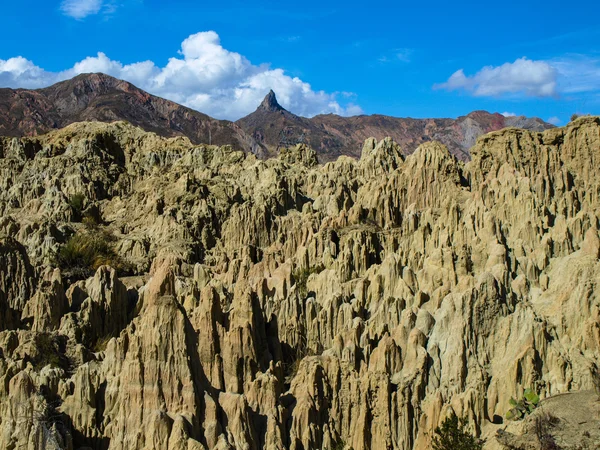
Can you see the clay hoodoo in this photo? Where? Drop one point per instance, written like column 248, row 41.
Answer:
column 157, row 294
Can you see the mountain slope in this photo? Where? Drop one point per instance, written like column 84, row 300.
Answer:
column 99, row 97
column 333, row 135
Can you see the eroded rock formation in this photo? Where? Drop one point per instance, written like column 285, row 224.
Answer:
column 284, row 304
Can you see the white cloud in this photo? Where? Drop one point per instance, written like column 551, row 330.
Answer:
column 353, row 110
column 203, row 76
column 577, row 73
column 554, row 120
column 16, row 72
column 565, row 76
column 80, row 9
column 509, row 114
column 524, row 76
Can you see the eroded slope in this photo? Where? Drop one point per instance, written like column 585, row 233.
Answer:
column 282, row 304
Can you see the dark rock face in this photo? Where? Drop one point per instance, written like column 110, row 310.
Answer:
column 270, row 103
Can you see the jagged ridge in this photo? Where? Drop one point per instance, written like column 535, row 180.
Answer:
column 285, row 304
column 332, row 135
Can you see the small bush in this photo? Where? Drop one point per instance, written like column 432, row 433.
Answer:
column 294, row 358
column 102, row 343
column 339, row 445
column 85, row 251
column 90, row 222
column 49, row 351
column 520, row 408
column 574, row 117
column 76, row 202
column 453, row 435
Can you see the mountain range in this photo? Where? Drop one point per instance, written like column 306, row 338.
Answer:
column 99, row 97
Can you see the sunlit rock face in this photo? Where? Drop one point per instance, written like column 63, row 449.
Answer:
column 237, row 303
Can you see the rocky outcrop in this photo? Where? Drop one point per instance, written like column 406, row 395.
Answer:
column 238, row 303
column 17, row 282
column 567, row 421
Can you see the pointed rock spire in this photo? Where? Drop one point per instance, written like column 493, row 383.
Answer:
column 270, row 102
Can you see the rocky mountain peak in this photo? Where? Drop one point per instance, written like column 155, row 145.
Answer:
column 100, row 97
column 270, row 103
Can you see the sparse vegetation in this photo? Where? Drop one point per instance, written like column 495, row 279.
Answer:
column 339, row 445
column 87, row 250
column 454, row 435
column 574, row 117
column 101, row 343
column 77, row 202
column 53, row 429
column 301, row 351
column 526, row 405
column 49, row 351
column 89, row 221
column 301, row 276
column 370, row 223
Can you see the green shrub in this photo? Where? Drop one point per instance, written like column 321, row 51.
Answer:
column 526, row 405
column 76, row 202
column 453, row 435
column 87, row 250
column 574, row 117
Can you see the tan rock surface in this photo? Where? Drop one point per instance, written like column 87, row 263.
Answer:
column 284, row 304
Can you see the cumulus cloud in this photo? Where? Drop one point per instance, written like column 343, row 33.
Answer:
column 524, row 76
column 17, row 72
column 509, row 114
column 554, row 120
column 203, row 76
column 80, row 9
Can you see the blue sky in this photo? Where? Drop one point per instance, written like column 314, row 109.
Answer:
column 423, row 59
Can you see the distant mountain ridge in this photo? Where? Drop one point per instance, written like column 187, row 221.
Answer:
column 331, row 135
column 99, row 97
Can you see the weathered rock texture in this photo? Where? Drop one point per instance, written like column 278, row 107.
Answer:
column 284, row 304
